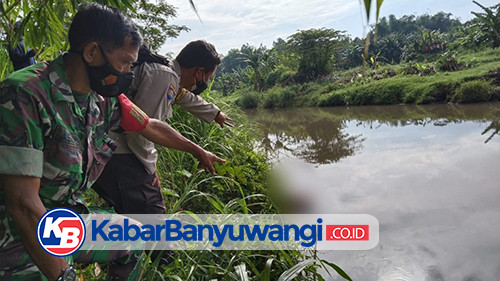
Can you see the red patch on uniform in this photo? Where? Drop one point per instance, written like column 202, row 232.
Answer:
column 133, row 118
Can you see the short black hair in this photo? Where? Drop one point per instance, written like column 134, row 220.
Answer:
column 17, row 25
column 199, row 53
column 106, row 25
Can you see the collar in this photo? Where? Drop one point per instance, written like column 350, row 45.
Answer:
column 176, row 67
column 61, row 91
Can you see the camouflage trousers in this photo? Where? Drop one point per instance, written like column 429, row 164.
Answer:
column 16, row 264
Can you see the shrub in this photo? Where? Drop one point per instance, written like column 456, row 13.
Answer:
column 248, row 100
column 448, row 62
column 271, row 99
column 286, row 78
column 437, row 92
column 333, row 99
column 474, row 91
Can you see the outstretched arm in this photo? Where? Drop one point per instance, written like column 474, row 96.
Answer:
column 133, row 119
column 161, row 133
column 197, row 106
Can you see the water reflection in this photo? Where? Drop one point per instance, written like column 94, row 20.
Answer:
column 318, row 135
column 429, row 174
column 492, row 130
column 310, row 135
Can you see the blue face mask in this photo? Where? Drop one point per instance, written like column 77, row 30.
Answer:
column 106, row 81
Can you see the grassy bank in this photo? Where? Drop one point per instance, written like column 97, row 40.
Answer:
column 466, row 78
column 240, row 186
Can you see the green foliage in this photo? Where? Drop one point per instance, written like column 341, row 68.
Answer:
column 45, row 24
column 228, row 82
column 316, row 49
column 489, row 23
column 239, row 187
column 249, row 99
column 333, row 99
column 422, row 89
column 152, row 20
column 243, row 174
column 474, row 91
column 448, row 62
column 468, row 37
column 233, row 61
column 436, row 92
column 412, row 68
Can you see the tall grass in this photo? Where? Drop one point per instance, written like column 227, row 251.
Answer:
column 238, row 187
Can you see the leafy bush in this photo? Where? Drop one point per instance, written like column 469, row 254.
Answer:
column 437, row 92
column 248, row 99
column 333, row 99
column 271, row 99
column 474, row 91
column 415, row 68
column 448, row 62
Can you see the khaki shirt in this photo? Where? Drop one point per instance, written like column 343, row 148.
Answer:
column 155, row 90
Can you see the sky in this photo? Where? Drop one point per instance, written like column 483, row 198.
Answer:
column 228, row 24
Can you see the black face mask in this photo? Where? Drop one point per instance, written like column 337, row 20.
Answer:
column 200, row 86
column 106, row 81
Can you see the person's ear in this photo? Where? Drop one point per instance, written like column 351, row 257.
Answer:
column 199, row 73
column 91, row 52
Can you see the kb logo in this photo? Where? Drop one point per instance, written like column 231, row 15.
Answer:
column 61, row 232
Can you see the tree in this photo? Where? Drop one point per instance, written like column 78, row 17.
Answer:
column 232, row 61
column 261, row 62
column 441, row 21
column 316, row 49
column 45, row 24
column 152, row 20
column 489, row 22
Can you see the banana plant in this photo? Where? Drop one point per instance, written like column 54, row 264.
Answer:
column 490, row 23
column 368, row 5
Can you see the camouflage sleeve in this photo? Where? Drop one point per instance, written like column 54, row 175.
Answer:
column 21, row 137
column 116, row 116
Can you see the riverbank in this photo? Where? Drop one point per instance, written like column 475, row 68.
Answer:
column 465, row 78
column 241, row 186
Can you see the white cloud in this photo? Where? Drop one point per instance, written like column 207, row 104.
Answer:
column 229, row 24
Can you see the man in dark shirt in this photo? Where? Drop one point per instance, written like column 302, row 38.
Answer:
column 20, row 55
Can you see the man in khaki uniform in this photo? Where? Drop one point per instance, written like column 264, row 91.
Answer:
column 129, row 182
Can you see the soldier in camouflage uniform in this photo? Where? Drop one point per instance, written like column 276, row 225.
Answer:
column 54, row 142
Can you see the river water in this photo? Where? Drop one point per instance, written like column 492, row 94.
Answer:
column 429, row 174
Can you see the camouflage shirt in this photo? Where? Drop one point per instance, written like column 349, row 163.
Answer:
column 45, row 134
